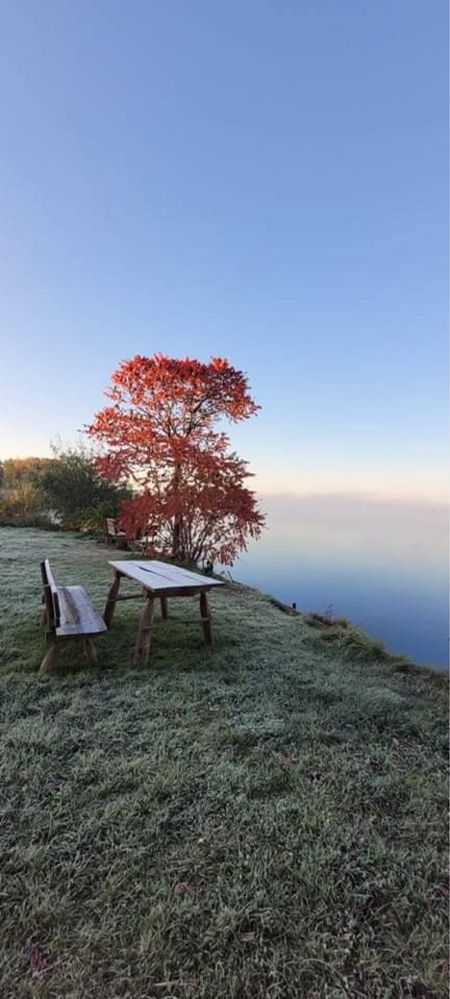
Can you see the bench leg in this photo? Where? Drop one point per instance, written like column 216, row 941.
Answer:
column 142, row 647
column 164, row 608
column 90, row 651
column 111, row 600
column 49, row 661
column 206, row 619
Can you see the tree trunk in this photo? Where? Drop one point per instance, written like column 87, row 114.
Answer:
column 176, row 538
column 176, row 532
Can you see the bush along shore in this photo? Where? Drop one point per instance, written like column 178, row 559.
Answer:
column 263, row 819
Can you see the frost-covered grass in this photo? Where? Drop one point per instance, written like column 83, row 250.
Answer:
column 266, row 819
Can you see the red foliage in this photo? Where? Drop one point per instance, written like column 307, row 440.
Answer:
column 159, row 433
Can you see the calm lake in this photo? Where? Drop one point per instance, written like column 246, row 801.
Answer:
column 382, row 564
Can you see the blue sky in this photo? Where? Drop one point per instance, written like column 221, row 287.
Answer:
column 264, row 181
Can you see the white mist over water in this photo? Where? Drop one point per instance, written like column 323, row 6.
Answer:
column 382, row 564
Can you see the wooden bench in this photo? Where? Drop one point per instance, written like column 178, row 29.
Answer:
column 113, row 536
column 67, row 613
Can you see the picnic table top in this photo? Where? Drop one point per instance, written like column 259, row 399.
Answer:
column 159, row 577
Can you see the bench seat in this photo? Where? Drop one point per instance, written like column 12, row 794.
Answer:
column 77, row 615
column 68, row 613
column 113, row 535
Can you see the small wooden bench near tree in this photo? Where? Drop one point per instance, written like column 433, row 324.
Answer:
column 67, row 613
column 113, row 535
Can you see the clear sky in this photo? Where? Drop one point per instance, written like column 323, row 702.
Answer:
column 261, row 180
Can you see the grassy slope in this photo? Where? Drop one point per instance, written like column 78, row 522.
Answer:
column 266, row 820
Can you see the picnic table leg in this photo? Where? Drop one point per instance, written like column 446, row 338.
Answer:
column 142, row 647
column 206, row 619
column 90, row 651
column 164, row 608
column 111, row 599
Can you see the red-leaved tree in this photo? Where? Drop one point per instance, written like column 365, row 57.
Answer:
column 160, row 433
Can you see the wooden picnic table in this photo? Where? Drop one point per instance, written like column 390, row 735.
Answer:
column 158, row 580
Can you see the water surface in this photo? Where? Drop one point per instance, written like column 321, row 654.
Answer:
column 382, row 564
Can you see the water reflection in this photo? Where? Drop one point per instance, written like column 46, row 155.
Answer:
column 382, row 564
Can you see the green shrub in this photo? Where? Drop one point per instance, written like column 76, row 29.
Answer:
column 77, row 493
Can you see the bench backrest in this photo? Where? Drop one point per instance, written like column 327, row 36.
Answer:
column 50, row 595
column 111, row 526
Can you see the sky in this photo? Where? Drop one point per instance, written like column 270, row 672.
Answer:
column 265, row 181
